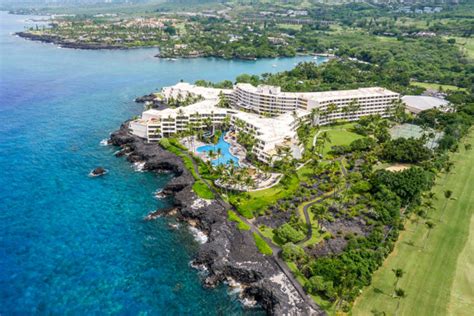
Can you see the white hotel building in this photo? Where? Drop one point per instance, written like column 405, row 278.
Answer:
column 270, row 115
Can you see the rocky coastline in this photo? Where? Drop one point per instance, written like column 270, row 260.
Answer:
column 229, row 255
column 44, row 38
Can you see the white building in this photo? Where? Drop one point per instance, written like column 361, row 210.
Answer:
column 269, row 100
column 418, row 103
column 270, row 115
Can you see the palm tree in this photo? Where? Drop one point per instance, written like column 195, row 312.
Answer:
column 324, row 137
column 399, row 114
column 447, row 195
column 430, row 225
column 399, row 294
column 398, row 274
column 315, row 112
column 211, row 154
column 353, row 107
column 331, row 108
column 219, row 152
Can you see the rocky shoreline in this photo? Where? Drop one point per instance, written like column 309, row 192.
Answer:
column 67, row 44
column 229, row 255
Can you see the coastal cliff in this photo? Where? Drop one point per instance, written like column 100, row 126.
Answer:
column 229, row 255
column 44, row 38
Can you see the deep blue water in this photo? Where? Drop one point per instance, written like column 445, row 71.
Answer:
column 79, row 245
column 225, row 158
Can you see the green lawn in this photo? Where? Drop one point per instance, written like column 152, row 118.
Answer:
column 295, row 27
column 262, row 245
column 339, row 134
column 438, row 279
column 252, row 203
column 466, row 45
column 340, row 137
column 436, row 86
column 232, row 216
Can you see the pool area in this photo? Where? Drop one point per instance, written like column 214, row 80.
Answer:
column 225, row 158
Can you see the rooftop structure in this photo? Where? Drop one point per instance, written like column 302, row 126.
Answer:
column 183, row 88
column 417, row 103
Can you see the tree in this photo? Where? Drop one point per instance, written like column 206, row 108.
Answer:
column 330, row 109
column 314, row 115
column 399, row 294
column 398, row 275
column 408, row 150
column 323, row 138
column 219, row 152
column 430, row 225
column 447, row 196
column 286, row 233
column 292, row 252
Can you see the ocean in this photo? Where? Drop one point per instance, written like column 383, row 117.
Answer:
column 79, row 245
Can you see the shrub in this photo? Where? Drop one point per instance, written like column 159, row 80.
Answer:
column 286, row 233
column 292, row 252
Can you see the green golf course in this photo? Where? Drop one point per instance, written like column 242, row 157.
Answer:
column 437, row 263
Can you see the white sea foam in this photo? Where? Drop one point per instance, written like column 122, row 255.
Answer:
column 200, row 267
column 235, row 288
column 159, row 194
column 248, row 302
column 199, row 236
column 139, row 166
column 104, row 142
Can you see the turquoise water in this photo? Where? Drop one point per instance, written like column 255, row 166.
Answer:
column 74, row 244
column 225, row 157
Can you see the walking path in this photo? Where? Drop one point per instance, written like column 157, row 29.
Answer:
column 317, row 310
column 319, row 199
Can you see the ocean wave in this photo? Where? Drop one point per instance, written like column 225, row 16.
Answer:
column 235, row 288
column 248, row 302
column 139, row 166
column 199, row 236
column 158, row 194
column 104, row 142
column 202, row 269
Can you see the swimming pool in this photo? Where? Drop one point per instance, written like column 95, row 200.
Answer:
column 225, row 158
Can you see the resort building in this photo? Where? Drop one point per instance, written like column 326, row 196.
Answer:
column 331, row 105
column 265, row 112
column 418, row 103
column 156, row 124
column 271, row 133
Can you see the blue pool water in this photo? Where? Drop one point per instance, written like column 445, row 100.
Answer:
column 225, row 157
column 79, row 245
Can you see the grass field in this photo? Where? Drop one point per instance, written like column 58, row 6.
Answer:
column 437, row 268
column 436, row 86
column 466, row 45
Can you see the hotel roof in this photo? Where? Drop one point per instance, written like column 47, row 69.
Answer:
column 351, row 94
column 273, row 129
column 318, row 96
column 202, row 107
column 205, row 92
column 418, row 103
